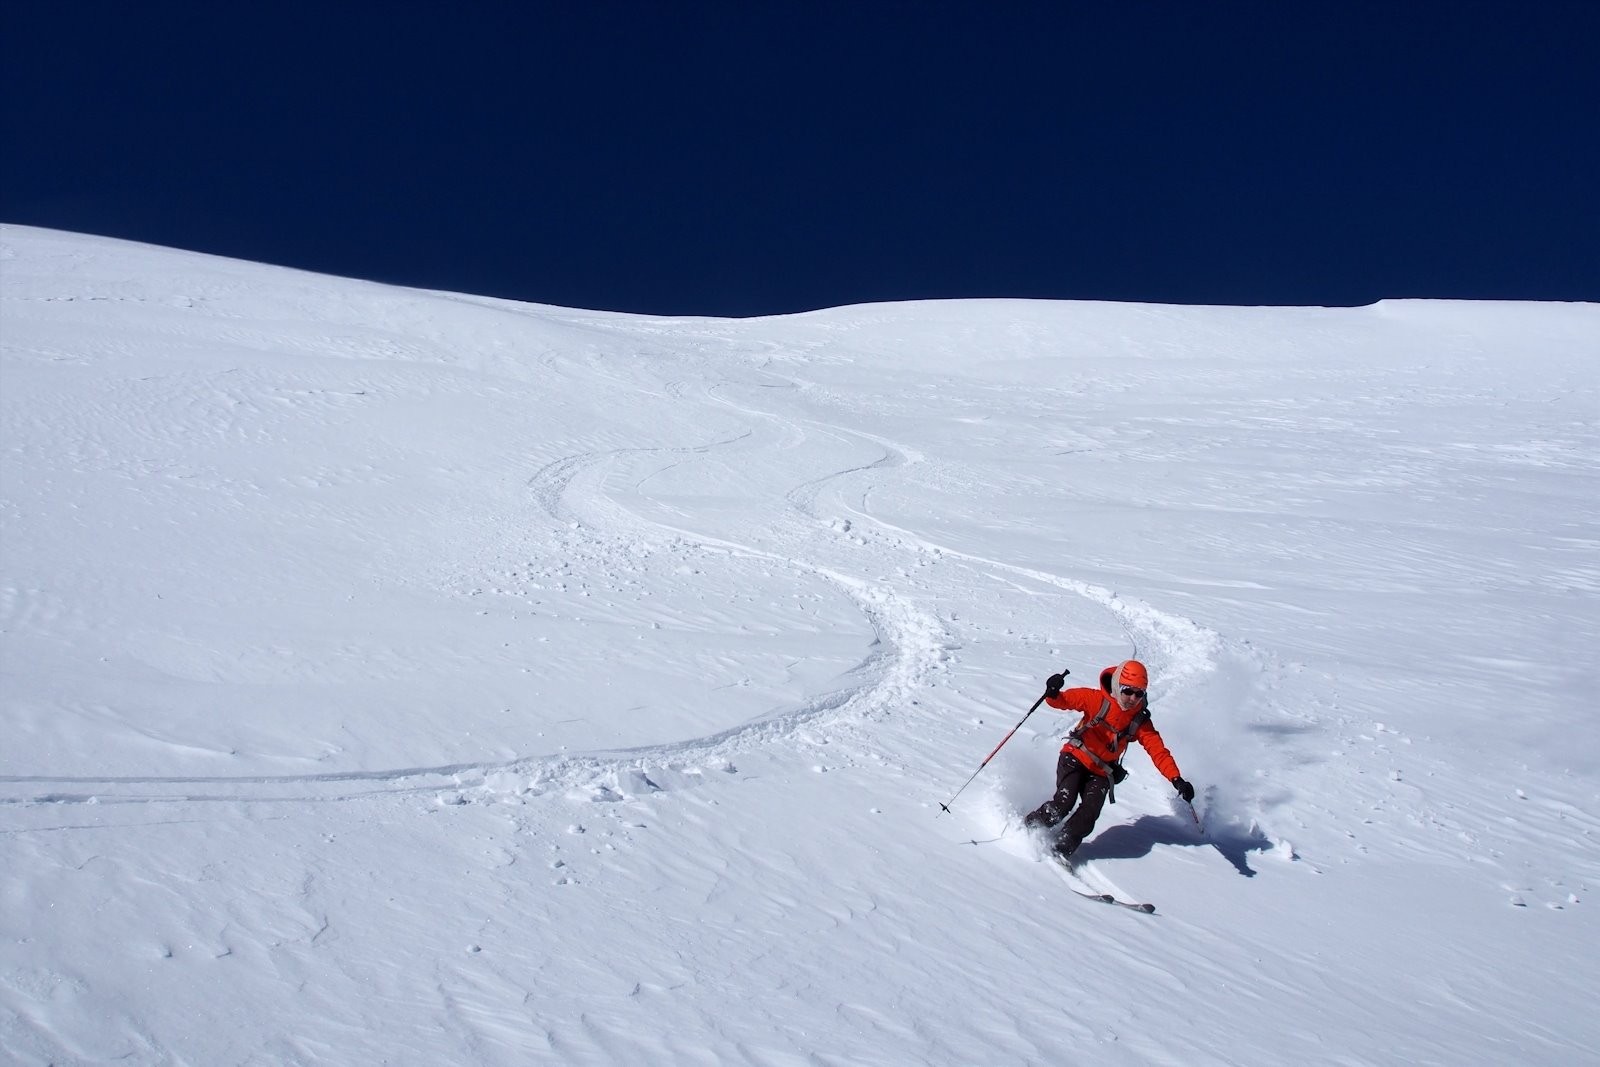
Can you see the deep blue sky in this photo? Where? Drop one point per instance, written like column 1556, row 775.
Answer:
column 749, row 158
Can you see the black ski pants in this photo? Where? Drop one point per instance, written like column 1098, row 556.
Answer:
column 1076, row 785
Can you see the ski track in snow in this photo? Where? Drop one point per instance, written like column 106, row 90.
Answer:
column 907, row 642
column 908, row 645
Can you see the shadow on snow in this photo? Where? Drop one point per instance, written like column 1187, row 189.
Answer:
column 1137, row 839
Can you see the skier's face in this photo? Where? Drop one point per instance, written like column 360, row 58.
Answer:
column 1130, row 698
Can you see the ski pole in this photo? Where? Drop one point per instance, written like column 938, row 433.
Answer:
column 946, row 806
column 1193, row 811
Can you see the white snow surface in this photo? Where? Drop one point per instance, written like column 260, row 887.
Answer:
column 403, row 677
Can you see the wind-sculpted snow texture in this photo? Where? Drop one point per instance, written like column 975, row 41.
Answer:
column 411, row 678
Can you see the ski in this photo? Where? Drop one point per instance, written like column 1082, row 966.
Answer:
column 1107, row 898
column 1065, row 867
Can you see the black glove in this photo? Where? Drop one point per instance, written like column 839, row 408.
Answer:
column 1185, row 790
column 1053, row 684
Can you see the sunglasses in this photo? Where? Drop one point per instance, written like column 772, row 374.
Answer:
column 1130, row 691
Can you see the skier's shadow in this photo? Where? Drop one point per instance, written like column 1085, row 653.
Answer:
column 1133, row 840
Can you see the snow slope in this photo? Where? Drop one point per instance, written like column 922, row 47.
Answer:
column 411, row 678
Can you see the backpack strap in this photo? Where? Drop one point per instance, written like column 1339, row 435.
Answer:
column 1122, row 738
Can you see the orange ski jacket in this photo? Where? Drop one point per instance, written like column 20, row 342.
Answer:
column 1105, row 742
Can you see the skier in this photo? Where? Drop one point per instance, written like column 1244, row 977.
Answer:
column 1090, row 764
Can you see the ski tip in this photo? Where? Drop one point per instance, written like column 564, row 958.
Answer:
column 1148, row 909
